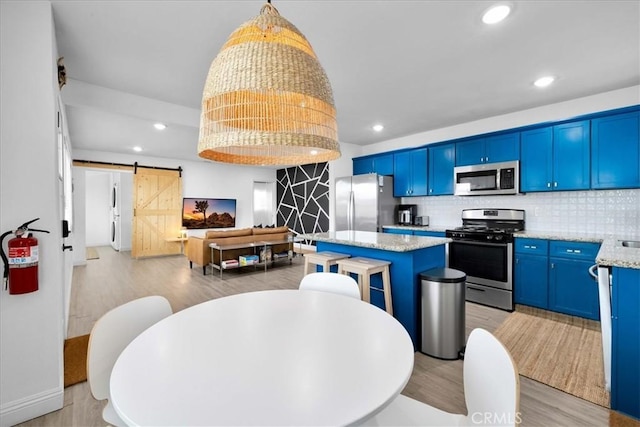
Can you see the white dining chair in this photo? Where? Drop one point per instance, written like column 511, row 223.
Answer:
column 331, row 282
column 491, row 391
column 109, row 337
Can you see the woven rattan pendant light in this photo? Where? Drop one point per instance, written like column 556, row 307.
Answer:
column 267, row 99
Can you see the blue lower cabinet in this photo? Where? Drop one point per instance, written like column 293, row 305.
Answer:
column 531, row 272
column 531, row 285
column 625, row 345
column 571, row 289
column 405, row 272
column 554, row 275
column 396, row 231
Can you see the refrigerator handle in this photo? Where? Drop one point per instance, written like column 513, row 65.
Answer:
column 350, row 212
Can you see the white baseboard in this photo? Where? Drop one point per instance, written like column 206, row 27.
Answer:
column 31, row 407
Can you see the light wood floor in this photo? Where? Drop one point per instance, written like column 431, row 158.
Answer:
column 115, row 278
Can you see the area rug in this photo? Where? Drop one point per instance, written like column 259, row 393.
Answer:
column 75, row 360
column 564, row 352
column 92, row 253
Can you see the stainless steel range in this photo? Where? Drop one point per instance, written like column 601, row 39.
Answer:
column 483, row 249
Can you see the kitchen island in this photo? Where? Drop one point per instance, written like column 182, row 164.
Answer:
column 409, row 256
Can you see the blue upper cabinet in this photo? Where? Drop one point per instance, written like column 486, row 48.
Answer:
column 615, row 151
column 381, row 164
column 502, row 148
column 410, row 173
column 470, row 152
column 441, row 162
column 571, row 152
column 555, row 158
column 491, row 149
column 536, row 160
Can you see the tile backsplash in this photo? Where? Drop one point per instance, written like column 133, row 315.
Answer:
column 602, row 212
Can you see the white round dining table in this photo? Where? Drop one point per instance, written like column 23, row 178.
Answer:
column 267, row 358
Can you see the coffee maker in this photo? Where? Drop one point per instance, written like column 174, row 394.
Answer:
column 407, row 214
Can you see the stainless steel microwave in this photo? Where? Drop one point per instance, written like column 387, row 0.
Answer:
column 487, row 179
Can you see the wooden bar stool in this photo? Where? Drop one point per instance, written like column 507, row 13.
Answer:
column 364, row 268
column 325, row 259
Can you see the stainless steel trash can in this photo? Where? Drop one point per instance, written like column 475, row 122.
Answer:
column 443, row 312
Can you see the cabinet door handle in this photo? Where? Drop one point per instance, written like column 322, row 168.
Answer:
column 534, row 247
column 577, row 251
column 553, row 265
column 486, row 159
column 555, row 184
column 527, row 247
column 548, row 185
column 570, row 251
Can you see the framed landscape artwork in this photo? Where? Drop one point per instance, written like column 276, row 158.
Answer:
column 208, row 213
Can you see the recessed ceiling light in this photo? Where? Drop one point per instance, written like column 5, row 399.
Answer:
column 496, row 14
column 378, row 128
column 313, row 152
column 138, row 149
column 544, row 81
column 160, row 126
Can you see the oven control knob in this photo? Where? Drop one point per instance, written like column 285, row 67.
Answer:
column 489, row 237
column 498, row 237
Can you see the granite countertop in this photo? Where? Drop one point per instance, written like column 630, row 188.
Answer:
column 370, row 239
column 611, row 253
column 418, row 227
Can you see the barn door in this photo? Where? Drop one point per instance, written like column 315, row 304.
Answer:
column 157, row 216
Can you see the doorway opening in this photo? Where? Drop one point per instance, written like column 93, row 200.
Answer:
column 264, row 203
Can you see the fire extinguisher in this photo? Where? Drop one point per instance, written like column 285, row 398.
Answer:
column 21, row 268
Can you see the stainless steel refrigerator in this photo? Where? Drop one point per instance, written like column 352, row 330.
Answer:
column 364, row 202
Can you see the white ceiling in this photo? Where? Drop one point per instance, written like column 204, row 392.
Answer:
column 411, row 65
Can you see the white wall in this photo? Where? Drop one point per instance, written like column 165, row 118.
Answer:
column 199, row 179
column 79, row 216
column 97, row 208
column 31, row 325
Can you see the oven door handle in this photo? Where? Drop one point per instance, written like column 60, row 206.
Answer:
column 471, row 288
column 471, row 242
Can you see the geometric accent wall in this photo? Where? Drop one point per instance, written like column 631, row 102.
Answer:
column 303, row 198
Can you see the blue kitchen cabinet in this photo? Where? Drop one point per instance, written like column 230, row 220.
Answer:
column 571, row 153
column 536, row 160
column 615, row 151
column 625, row 341
column 502, row 148
column 397, row 231
column 490, row 149
column 555, row 158
column 470, row 152
column 429, row 233
column 414, row 232
column 571, row 289
column 410, row 173
column 531, row 283
column 381, row 164
column 442, row 159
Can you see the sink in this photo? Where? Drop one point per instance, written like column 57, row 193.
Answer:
column 630, row 243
